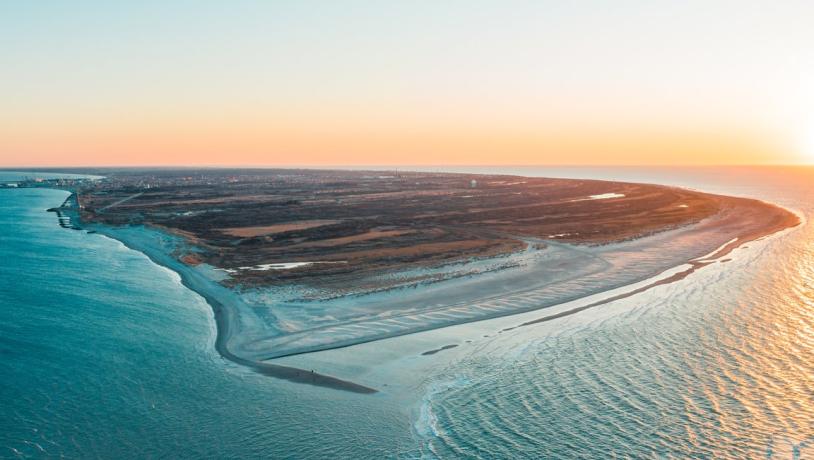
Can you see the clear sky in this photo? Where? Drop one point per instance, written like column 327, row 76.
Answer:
column 413, row 82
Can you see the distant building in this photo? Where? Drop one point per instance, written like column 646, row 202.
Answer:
column 473, row 183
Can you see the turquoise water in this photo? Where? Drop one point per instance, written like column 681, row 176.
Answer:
column 104, row 354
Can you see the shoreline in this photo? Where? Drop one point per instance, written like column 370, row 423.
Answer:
column 746, row 218
column 226, row 317
column 227, row 308
column 694, row 265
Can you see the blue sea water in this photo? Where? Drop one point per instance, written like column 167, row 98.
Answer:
column 105, row 355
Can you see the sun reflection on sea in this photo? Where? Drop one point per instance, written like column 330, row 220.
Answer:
column 716, row 366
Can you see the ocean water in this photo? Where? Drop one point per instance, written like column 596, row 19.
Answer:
column 716, row 366
column 106, row 355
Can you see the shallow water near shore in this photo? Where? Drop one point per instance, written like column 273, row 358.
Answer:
column 106, row 354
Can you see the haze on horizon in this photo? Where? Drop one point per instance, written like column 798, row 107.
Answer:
column 362, row 82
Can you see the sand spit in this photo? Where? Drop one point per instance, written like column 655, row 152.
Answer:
column 563, row 273
column 553, row 275
column 229, row 311
column 777, row 220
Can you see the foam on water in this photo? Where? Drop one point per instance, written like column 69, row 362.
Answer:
column 715, row 365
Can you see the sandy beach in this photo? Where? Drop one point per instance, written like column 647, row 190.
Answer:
column 547, row 277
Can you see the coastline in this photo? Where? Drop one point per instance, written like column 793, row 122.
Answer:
column 114, row 320
column 626, row 263
column 226, row 315
column 234, row 318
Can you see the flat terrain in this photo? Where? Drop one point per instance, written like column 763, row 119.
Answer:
column 330, row 259
column 273, row 227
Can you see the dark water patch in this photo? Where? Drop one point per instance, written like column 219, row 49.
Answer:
column 432, row 352
column 293, row 374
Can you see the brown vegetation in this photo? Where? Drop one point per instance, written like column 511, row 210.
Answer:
column 377, row 222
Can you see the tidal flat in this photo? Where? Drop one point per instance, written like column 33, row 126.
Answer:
column 95, row 334
column 548, row 242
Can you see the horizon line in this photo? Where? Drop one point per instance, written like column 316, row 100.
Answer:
column 396, row 166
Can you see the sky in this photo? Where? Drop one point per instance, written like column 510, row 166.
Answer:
column 94, row 83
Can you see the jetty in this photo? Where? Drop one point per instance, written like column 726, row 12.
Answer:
column 68, row 213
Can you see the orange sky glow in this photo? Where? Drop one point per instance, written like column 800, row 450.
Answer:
column 366, row 83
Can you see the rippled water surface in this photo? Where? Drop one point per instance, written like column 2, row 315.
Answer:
column 104, row 354
column 719, row 365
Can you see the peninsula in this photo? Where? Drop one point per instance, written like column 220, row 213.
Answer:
column 297, row 261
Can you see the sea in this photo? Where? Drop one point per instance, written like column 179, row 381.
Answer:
column 104, row 354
